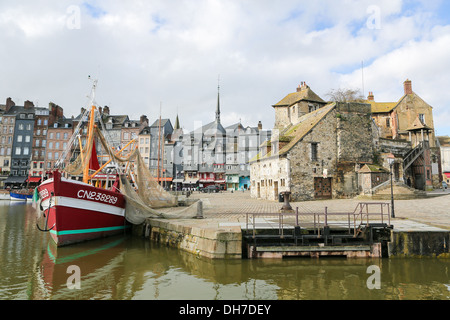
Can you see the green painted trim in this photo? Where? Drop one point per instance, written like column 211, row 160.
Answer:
column 60, row 233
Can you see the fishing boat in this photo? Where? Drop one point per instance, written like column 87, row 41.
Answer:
column 92, row 208
column 85, row 200
column 21, row 195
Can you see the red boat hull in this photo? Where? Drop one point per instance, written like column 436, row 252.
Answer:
column 77, row 212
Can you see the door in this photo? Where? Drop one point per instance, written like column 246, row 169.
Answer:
column 275, row 190
column 322, row 188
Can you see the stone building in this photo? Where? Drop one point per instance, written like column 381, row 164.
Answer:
column 295, row 105
column 318, row 157
column 410, row 119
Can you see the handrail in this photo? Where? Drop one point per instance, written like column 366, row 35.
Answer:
column 360, row 214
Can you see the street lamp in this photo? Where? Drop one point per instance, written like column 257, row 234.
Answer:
column 391, row 160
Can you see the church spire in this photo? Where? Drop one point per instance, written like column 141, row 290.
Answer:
column 177, row 123
column 218, row 101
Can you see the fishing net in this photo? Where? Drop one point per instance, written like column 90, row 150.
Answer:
column 144, row 195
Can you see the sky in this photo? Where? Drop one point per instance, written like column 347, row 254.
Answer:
column 169, row 56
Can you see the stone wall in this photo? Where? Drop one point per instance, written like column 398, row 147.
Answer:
column 354, row 132
column 208, row 242
column 344, row 139
column 269, row 178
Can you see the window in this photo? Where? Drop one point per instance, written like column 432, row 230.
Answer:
column 45, row 122
column 38, row 142
column 422, row 118
column 28, row 126
column 50, row 145
column 20, row 127
column 38, row 132
column 314, row 154
column 388, row 122
column 49, row 156
column 66, row 136
column 19, row 138
column 58, row 136
column 26, row 151
column 18, row 151
column 27, row 138
column 51, row 135
column 39, row 122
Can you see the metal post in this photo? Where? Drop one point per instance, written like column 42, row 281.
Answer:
column 392, row 193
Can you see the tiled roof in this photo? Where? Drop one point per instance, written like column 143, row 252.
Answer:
column 381, row 107
column 444, row 141
column 372, row 168
column 296, row 132
column 304, row 94
column 417, row 125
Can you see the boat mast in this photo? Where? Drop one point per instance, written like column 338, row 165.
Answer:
column 89, row 142
column 159, row 141
column 90, row 137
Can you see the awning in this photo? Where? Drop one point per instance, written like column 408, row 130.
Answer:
column 219, row 181
column 190, row 181
column 447, row 174
column 178, row 180
column 34, row 179
column 165, row 179
column 15, row 179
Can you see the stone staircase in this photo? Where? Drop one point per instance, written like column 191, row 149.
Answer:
column 401, row 192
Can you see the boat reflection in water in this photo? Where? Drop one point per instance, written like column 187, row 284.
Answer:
column 97, row 262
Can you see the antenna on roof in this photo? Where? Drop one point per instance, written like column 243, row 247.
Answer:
column 362, row 75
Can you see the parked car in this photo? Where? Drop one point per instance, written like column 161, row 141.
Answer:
column 210, row 189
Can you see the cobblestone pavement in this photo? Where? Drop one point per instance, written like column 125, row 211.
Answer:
column 227, row 206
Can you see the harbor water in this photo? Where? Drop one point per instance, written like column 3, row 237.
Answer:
column 130, row 268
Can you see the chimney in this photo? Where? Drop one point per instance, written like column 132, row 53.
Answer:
column 259, row 125
column 9, row 104
column 28, row 104
column 408, row 86
column 143, row 121
column 371, row 97
column 299, row 88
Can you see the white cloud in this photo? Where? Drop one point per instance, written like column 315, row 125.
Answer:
column 148, row 52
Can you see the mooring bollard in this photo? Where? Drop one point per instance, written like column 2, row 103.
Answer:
column 286, row 206
column 199, row 210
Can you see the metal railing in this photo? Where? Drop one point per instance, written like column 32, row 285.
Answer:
column 352, row 222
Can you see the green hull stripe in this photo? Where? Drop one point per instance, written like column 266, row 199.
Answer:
column 60, row 233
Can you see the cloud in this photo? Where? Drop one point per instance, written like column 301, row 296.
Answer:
column 147, row 53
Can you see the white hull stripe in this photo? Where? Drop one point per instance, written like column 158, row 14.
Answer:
column 84, row 205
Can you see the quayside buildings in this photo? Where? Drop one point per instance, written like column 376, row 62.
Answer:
column 324, row 150
column 34, row 139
